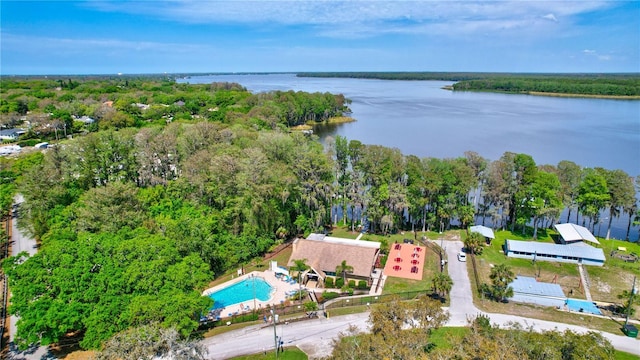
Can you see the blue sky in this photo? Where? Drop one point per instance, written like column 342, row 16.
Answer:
column 106, row 37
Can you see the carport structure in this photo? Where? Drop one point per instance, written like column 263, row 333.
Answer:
column 487, row 232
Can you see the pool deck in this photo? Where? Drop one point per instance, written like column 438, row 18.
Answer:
column 277, row 296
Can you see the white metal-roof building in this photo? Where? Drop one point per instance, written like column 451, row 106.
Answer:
column 570, row 233
column 529, row 290
column 487, row 232
column 572, row 253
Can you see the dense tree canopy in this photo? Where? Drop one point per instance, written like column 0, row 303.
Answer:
column 134, row 221
column 104, row 283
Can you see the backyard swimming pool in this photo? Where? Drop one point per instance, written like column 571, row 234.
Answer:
column 242, row 291
column 582, row 306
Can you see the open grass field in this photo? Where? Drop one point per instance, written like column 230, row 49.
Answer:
column 608, row 281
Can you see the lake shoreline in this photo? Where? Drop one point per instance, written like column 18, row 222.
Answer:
column 560, row 95
column 334, row 120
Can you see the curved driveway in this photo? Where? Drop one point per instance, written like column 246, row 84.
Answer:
column 315, row 336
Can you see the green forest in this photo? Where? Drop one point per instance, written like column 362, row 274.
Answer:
column 174, row 184
column 614, row 85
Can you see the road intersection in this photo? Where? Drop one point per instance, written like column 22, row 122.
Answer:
column 315, row 336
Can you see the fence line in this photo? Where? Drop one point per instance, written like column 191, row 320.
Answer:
column 277, row 250
column 475, row 270
column 282, row 310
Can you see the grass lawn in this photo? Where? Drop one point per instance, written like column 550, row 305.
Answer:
column 604, row 286
column 347, row 310
column 344, row 232
column 443, row 336
column 290, row 353
column 620, row 355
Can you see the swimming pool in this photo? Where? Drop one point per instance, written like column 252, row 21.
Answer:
column 582, row 306
column 242, row 291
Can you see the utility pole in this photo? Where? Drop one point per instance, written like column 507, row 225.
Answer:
column 633, row 292
column 275, row 335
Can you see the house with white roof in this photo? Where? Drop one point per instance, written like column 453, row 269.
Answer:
column 574, row 247
column 11, row 134
column 572, row 233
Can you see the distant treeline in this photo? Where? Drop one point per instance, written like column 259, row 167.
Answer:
column 575, row 84
column 561, row 85
column 445, row 76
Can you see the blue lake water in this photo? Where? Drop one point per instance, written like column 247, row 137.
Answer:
column 422, row 119
column 242, row 292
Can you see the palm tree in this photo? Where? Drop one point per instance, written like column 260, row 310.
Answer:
column 343, row 269
column 631, row 211
column 473, row 243
column 442, row 284
column 501, row 276
column 300, row 266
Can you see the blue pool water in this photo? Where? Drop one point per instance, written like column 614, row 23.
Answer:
column 586, row 306
column 242, row 292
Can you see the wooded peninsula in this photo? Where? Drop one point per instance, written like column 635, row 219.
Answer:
column 616, row 86
column 150, row 189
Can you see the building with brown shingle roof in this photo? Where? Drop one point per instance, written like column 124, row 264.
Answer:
column 325, row 253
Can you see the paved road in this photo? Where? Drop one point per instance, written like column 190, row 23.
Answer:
column 315, row 336
column 312, row 336
column 462, row 306
column 21, row 242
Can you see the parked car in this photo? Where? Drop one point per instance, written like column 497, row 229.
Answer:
column 462, row 256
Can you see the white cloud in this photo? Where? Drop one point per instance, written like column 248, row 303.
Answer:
column 80, row 45
column 594, row 53
column 359, row 18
